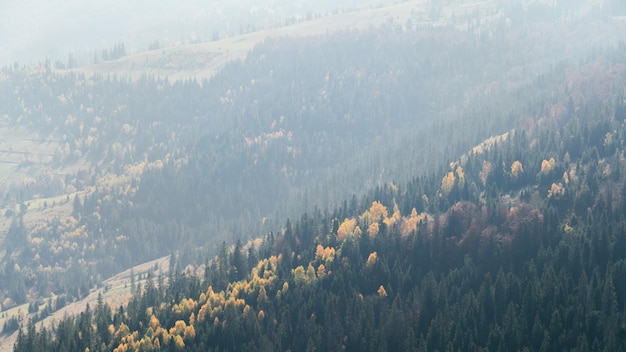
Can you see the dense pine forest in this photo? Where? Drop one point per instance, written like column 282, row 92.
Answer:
column 402, row 187
column 302, row 122
column 519, row 245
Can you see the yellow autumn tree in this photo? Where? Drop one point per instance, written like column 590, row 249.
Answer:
column 485, row 172
column 556, row 191
column 461, row 176
column 321, row 271
column 154, row 322
column 189, row 333
column 357, row 232
column 165, row 335
column 447, row 183
column 302, row 276
column 517, row 169
column 179, row 328
column 310, row 274
column 319, row 251
column 121, row 332
column 179, row 343
column 373, row 230
column 185, row 306
column 396, row 216
column 410, row 224
column 145, row 344
column 247, row 311
column 346, row 229
column 371, row 260
column 547, row 166
column 326, row 254
column 382, row 292
column 262, row 298
column 377, row 212
column 204, row 310
column 299, row 274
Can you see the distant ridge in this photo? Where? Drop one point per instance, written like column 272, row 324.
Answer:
column 204, row 60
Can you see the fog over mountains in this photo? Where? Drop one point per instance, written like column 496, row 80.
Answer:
column 353, row 175
column 33, row 30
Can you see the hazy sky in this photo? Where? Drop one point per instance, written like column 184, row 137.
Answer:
column 33, row 30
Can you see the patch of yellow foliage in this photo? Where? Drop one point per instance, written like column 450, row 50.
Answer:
column 485, row 172
column 547, row 166
column 185, row 306
column 516, row 169
column 321, row 271
column 373, row 229
column 556, row 191
column 395, row 217
column 346, row 229
column 371, row 260
column 326, row 254
column 409, row 224
column 382, row 292
column 489, row 142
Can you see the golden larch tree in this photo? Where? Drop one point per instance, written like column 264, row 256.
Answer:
column 517, row 169
column 321, row 271
column 357, row 232
column 556, row 191
column 190, row 333
column 371, row 260
column 461, row 176
column 310, row 274
column 179, row 343
column 346, row 229
column 377, row 212
column 178, row 328
column 447, row 183
column 547, row 166
column 485, row 172
column 396, row 216
column 373, row 230
column 382, row 292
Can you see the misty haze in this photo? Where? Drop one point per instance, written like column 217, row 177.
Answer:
column 313, row 175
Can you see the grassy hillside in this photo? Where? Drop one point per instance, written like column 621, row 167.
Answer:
column 36, row 30
column 485, row 18
column 200, row 61
column 115, row 291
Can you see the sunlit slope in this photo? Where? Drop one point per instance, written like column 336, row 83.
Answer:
column 485, row 18
column 204, row 60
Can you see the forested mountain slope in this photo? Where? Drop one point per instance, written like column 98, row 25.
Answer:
column 168, row 166
column 519, row 245
column 130, row 170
